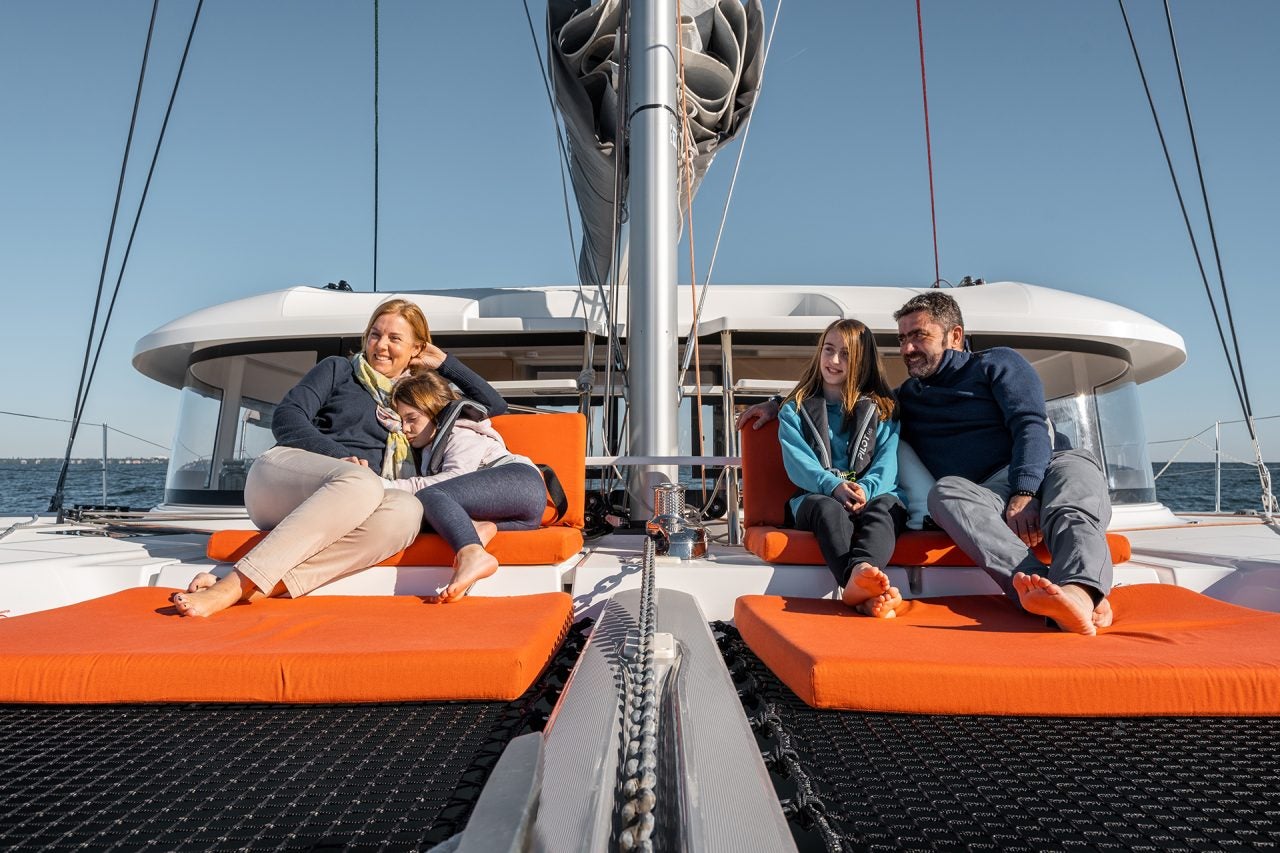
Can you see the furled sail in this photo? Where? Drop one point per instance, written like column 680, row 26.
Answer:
column 722, row 42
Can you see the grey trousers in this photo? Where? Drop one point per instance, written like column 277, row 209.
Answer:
column 1075, row 509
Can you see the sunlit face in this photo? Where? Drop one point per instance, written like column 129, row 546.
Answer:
column 390, row 345
column 923, row 341
column 418, row 427
column 833, row 361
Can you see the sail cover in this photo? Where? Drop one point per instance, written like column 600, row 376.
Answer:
column 723, row 59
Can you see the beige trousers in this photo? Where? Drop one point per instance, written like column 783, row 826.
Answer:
column 327, row 518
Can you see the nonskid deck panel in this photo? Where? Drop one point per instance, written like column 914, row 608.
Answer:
column 201, row 777
column 864, row 781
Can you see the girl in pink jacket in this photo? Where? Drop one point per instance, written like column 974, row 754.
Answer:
column 469, row 485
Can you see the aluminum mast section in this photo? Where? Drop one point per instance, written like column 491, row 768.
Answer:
column 652, row 332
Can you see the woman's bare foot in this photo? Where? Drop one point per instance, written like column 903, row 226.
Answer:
column 881, row 606
column 204, row 580
column 1069, row 606
column 473, row 563
column 486, row 530
column 216, row 598
column 865, row 582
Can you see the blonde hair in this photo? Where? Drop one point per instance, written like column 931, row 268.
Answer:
column 426, row 391
column 865, row 376
column 411, row 313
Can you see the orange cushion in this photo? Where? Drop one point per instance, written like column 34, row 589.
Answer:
column 558, row 440
column 914, row 548
column 766, row 490
column 545, row 546
column 1169, row 651
column 765, row 484
column 132, row 646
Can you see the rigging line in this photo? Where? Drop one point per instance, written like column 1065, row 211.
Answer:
column 1208, row 213
column 547, row 85
column 87, row 423
column 733, row 182
column 55, row 502
column 1182, row 205
column 928, row 145
column 142, row 200
column 615, row 362
column 376, row 153
column 686, row 136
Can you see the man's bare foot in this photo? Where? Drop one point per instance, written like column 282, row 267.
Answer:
column 881, row 606
column 865, row 582
column 204, row 580
column 1069, row 606
column 472, row 564
column 486, row 530
column 1102, row 615
column 216, row 598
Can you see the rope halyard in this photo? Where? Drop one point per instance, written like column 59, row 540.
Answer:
column 640, row 722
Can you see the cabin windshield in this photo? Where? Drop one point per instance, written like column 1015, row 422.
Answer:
column 224, row 422
column 1108, row 423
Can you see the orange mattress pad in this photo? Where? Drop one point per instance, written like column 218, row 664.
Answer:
column 914, row 548
column 1170, row 651
column 546, row 546
column 132, row 646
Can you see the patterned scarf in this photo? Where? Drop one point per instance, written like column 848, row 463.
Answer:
column 379, row 387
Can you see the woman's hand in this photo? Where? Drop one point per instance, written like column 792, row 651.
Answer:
column 431, row 356
column 356, row 459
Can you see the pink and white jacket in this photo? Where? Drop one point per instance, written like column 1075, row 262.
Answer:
column 472, row 445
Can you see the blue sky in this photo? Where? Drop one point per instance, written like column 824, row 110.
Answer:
column 1046, row 164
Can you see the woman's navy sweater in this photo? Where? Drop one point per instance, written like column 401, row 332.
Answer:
column 329, row 412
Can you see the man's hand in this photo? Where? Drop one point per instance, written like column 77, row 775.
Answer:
column 762, row 413
column 851, row 496
column 430, row 357
column 1022, row 514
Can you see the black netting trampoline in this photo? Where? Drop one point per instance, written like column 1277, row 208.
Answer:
column 866, row 781
column 226, row 777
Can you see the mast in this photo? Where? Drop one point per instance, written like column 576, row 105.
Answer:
column 654, row 225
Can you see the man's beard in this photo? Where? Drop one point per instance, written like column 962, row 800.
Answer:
column 922, row 367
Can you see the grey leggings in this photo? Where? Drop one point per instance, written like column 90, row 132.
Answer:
column 512, row 495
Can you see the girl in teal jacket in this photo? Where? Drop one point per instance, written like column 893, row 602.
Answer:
column 839, row 436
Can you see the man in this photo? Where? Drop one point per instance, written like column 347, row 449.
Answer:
column 977, row 421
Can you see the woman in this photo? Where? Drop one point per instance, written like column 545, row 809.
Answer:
column 320, row 490
column 467, row 477
column 839, row 442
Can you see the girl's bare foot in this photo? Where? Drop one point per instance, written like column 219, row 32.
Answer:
column 486, row 530
column 1069, row 606
column 204, row 580
column 881, row 606
column 216, row 598
column 473, row 563
column 865, row 582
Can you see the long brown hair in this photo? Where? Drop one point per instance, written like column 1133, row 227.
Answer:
column 426, row 390
column 864, row 376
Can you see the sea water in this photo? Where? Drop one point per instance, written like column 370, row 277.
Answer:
column 26, row 485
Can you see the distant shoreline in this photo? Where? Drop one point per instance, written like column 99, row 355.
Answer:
column 91, row 460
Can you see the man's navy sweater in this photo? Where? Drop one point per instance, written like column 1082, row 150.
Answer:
column 979, row 412
column 329, row 412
